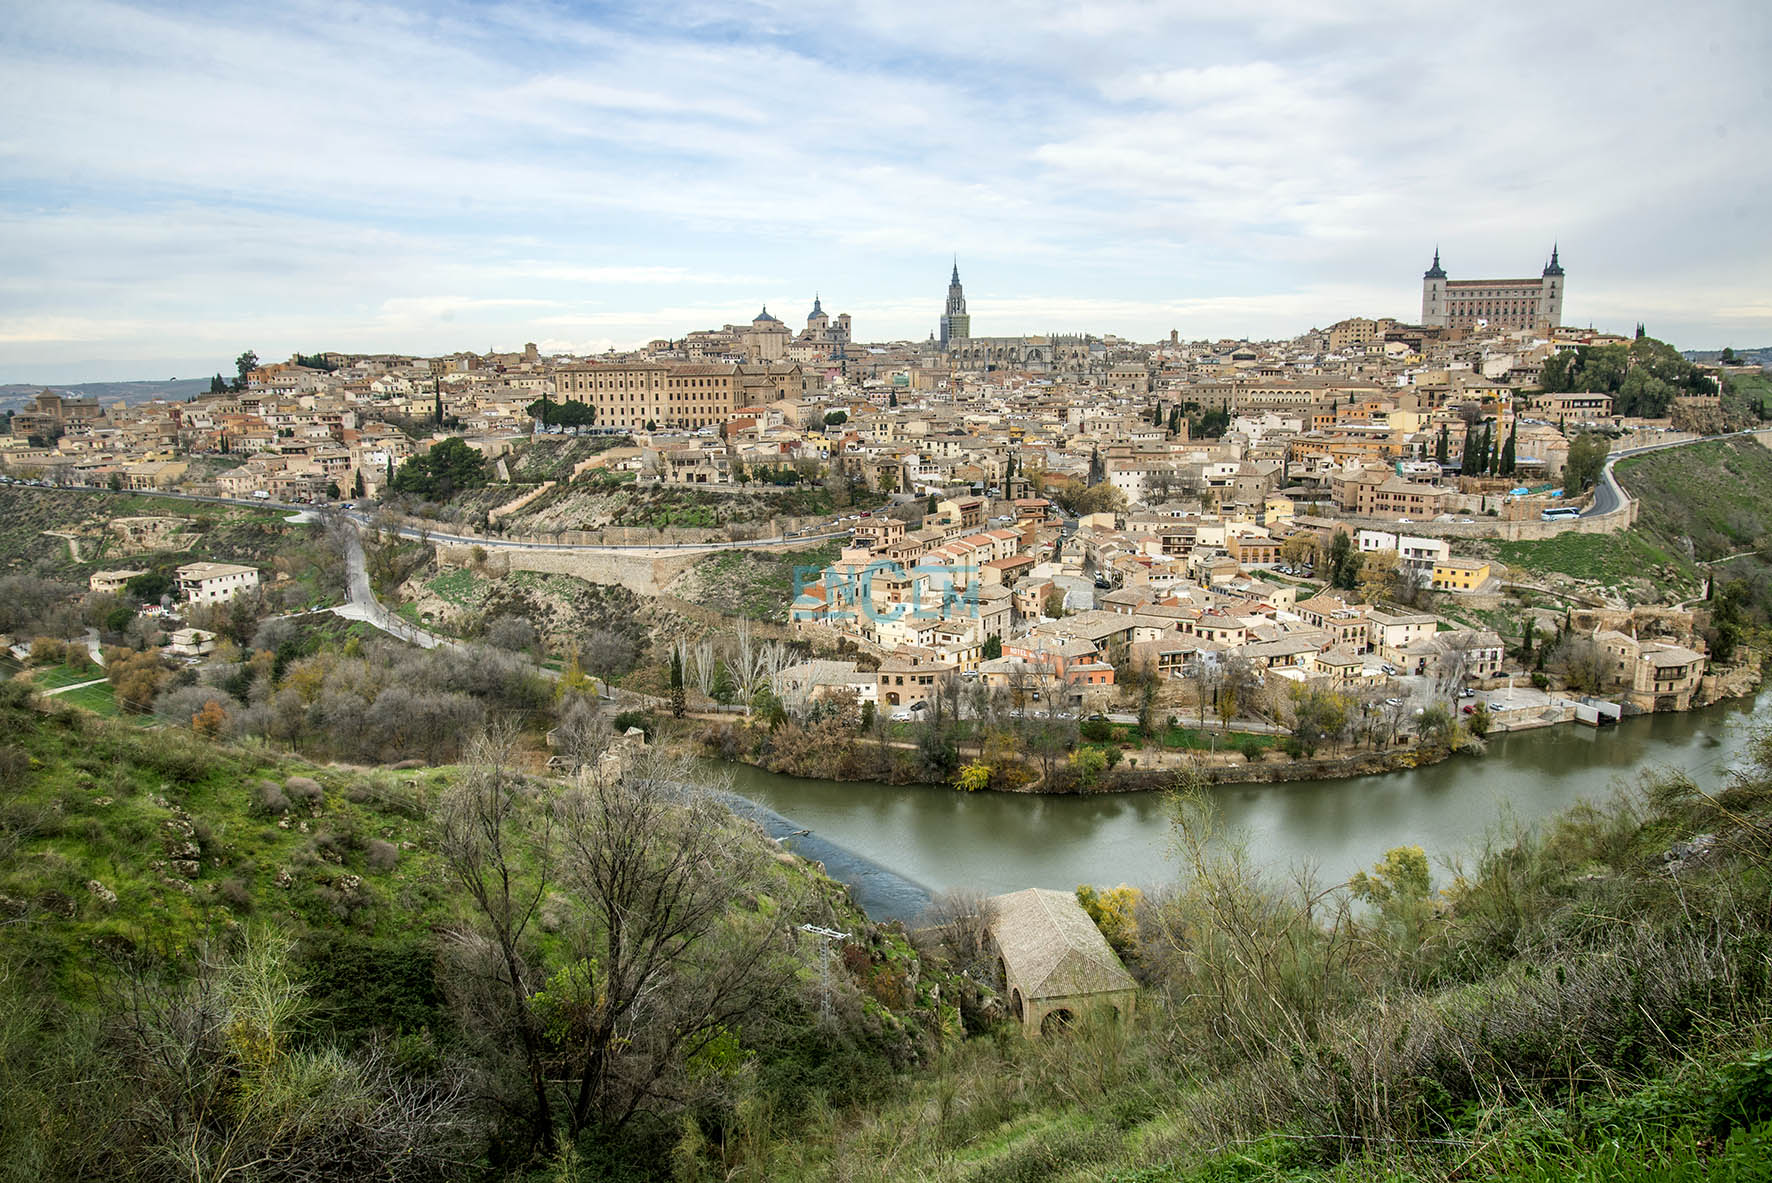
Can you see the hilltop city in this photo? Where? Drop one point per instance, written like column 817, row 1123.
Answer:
column 1060, row 518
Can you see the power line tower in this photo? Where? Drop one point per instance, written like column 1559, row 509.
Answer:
column 826, row 936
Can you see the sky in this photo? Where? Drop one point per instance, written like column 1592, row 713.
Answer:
column 181, row 182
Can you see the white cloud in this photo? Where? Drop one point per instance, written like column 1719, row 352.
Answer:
column 307, row 175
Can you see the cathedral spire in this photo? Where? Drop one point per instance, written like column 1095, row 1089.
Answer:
column 1436, row 271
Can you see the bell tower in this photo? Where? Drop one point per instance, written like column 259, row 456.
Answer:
column 1433, row 295
column 1550, row 295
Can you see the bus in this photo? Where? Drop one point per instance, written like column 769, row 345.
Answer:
column 1561, row 513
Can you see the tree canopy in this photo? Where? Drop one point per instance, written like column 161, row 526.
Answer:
column 566, row 414
column 1643, row 377
column 438, row 473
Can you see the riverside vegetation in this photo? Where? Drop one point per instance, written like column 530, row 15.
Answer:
column 219, row 962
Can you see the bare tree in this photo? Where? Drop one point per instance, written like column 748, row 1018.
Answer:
column 500, row 851
column 668, row 957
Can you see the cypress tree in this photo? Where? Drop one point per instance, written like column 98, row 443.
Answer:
column 1508, row 454
column 1442, row 446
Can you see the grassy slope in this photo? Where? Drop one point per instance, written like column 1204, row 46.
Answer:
column 1697, row 503
column 757, row 584
column 1606, row 1077
column 1717, row 495
column 220, row 533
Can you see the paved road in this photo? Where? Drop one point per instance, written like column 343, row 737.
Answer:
column 362, row 519
column 362, row 604
column 1609, row 495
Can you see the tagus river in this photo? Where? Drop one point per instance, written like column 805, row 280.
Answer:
column 896, row 844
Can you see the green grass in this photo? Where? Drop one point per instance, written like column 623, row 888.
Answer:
column 65, row 675
column 1716, row 497
column 1610, row 559
column 99, row 699
column 460, row 586
column 757, row 584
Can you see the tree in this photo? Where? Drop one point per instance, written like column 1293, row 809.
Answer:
column 135, row 677
column 1587, row 458
column 971, row 778
column 1583, row 663
column 721, row 688
column 1299, row 550
column 499, row 847
column 1379, row 576
column 1115, row 912
column 1508, row 453
column 892, row 400
column 1087, row 763
column 1443, row 445
column 1053, row 604
column 438, row 474
column 679, row 699
column 671, row 950
column 218, row 384
column 993, row 647
column 1344, row 561
column 565, row 414
column 836, row 418
column 1319, row 716
column 243, row 366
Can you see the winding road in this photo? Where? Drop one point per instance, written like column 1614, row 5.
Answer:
column 1609, row 495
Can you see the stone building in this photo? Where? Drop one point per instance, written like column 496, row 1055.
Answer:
column 1459, row 304
column 1054, row 962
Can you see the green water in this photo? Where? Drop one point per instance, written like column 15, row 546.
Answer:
column 940, row 838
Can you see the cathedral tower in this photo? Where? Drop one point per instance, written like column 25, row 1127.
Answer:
column 955, row 324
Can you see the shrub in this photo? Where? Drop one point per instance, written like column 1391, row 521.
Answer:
column 304, row 790
column 268, row 798
column 235, row 894
column 382, row 855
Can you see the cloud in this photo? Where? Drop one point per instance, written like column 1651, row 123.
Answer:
column 300, row 174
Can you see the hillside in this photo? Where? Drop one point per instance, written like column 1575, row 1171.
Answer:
column 1707, row 500
column 217, row 961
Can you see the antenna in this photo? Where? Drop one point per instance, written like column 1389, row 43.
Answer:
column 824, row 967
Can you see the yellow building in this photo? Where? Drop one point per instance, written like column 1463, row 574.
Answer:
column 1460, row 575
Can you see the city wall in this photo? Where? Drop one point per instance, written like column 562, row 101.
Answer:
column 1530, row 529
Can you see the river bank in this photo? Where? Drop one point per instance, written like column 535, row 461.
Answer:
column 937, row 838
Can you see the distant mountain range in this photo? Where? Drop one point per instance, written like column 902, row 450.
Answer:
column 1752, row 357
column 16, row 394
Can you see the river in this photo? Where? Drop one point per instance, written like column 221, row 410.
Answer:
column 924, row 838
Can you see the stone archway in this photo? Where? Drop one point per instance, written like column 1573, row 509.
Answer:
column 1056, row 1020
column 1015, row 1006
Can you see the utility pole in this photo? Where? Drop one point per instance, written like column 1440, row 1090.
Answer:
column 827, row 935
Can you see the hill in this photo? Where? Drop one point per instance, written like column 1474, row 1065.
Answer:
column 211, row 950
column 218, row 960
column 177, row 389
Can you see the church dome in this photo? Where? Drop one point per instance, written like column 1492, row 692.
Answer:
column 763, row 317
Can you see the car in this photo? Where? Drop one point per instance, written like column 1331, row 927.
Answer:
column 1470, row 708
column 917, row 707
column 1467, row 692
column 868, row 514
column 1390, row 669
column 903, row 716
column 1393, row 702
